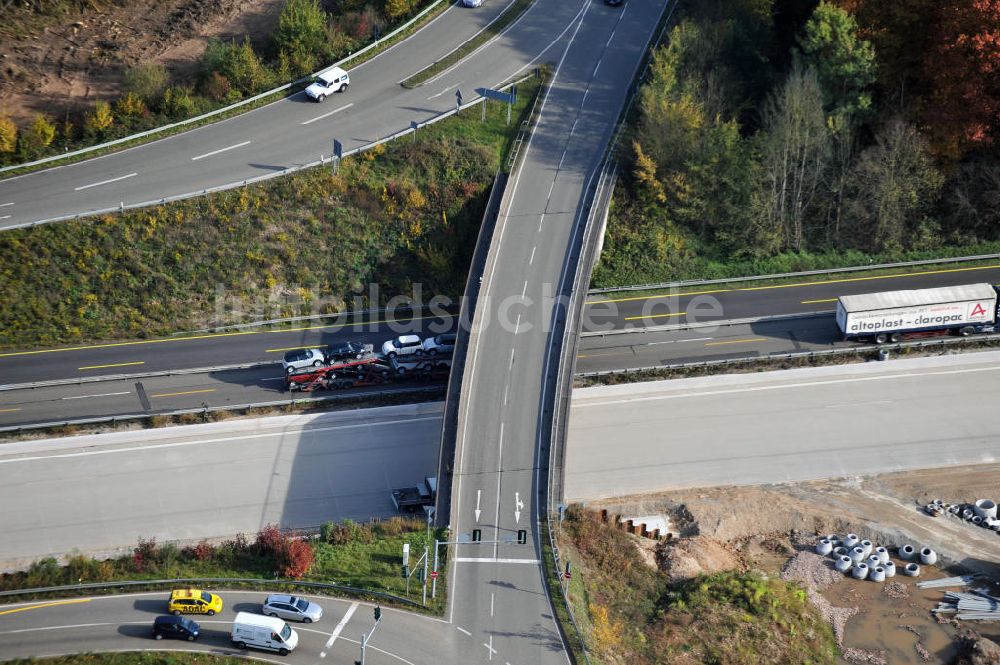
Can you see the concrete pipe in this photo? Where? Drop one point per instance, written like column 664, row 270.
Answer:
column 954, row 510
column 986, row 508
column 877, row 574
column 883, row 554
column 857, row 554
column 912, row 569
column 906, row 552
column 867, row 545
column 833, row 538
column 928, row 557
column 977, row 520
column 824, row 547
column 967, row 514
column 890, row 569
column 860, row 571
column 850, row 540
column 873, row 561
column 843, row 564
column 839, row 552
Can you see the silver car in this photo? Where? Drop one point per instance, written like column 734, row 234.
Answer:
column 291, row 608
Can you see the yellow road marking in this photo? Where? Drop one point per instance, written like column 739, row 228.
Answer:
column 141, row 362
column 10, row 410
column 52, row 604
column 654, row 316
column 796, row 284
column 112, row 345
column 810, row 302
column 186, row 392
column 736, row 341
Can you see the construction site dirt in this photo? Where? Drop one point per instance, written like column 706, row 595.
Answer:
column 775, row 529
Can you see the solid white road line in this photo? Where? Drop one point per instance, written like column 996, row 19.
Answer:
column 4, row 205
column 463, row 630
column 340, row 626
column 216, row 152
column 786, row 386
column 327, row 115
column 454, row 85
column 241, row 437
column 532, row 259
column 98, row 395
column 678, row 341
column 105, row 182
column 5, row 217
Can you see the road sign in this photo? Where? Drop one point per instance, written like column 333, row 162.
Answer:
column 434, row 575
column 489, row 93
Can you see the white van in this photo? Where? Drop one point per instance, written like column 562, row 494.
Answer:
column 261, row 632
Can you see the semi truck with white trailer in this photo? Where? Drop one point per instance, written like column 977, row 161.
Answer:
column 890, row 316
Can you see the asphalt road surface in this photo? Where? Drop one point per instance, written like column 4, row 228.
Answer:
column 782, row 426
column 101, row 492
column 282, row 135
column 697, row 304
column 119, row 623
column 498, row 587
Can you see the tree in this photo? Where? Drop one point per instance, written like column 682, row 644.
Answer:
column 100, row 120
column 844, row 63
column 794, row 153
column 971, row 208
column 893, row 187
column 301, row 34
column 396, row 9
column 36, row 138
column 8, row 134
column 147, row 81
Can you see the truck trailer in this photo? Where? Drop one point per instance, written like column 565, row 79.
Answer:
column 890, row 316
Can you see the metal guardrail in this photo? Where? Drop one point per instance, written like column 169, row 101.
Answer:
column 231, row 107
column 104, row 420
column 786, row 275
column 210, row 580
column 266, row 176
column 795, row 355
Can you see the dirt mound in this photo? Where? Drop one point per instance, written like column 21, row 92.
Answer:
column 689, row 557
column 978, row 650
column 81, row 58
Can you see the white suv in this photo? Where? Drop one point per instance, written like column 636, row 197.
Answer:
column 293, row 360
column 327, row 83
column 404, row 345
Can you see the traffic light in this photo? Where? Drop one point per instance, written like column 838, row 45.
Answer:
column 522, row 536
column 378, row 613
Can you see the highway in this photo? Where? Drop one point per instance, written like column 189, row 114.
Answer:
column 118, row 623
column 499, row 472
column 101, row 492
column 790, row 425
column 279, row 136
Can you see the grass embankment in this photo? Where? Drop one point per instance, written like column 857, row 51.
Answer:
column 394, row 216
column 364, row 556
column 500, row 24
column 633, row 615
column 133, row 658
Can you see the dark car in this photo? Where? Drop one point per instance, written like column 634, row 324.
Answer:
column 174, row 626
column 345, row 351
column 613, row 3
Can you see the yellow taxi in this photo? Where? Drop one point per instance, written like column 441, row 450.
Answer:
column 193, row 601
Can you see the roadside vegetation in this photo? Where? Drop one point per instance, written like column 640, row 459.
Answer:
column 632, row 614
column 365, row 556
column 392, row 216
column 784, row 135
column 133, row 658
column 309, row 34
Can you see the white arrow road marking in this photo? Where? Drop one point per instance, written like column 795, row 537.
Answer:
column 104, row 182
column 518, row 505
column 327, row 115
column 479, row 495
column 340, row 626
column 216, row 152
